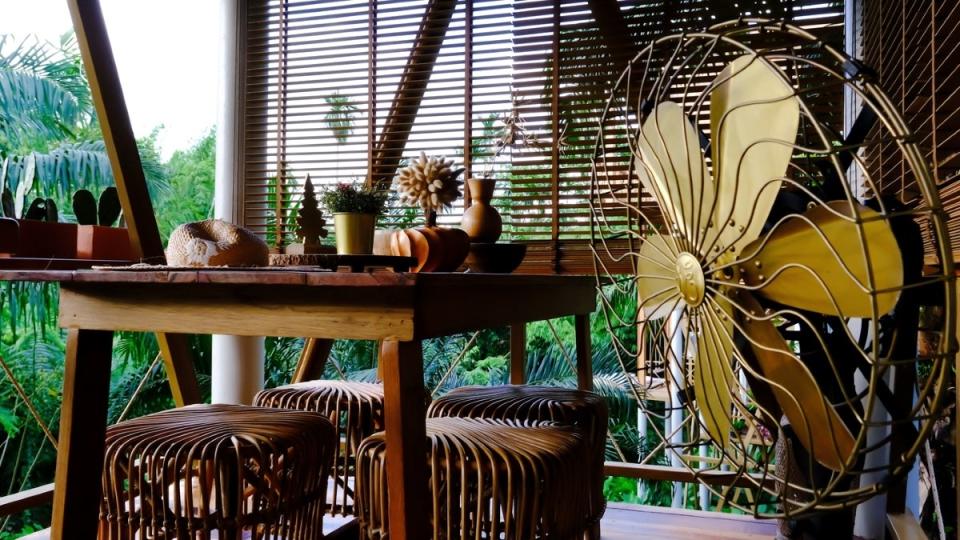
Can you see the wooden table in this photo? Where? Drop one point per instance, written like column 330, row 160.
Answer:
column 401, row 309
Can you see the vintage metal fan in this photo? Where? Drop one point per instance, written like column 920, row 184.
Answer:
column 778, row 297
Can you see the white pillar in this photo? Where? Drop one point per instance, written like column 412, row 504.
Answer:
column 676, row 410
column 642, row 431
column 237, row 370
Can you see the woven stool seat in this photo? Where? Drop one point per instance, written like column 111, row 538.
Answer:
column 355, row 408
column 488, row 479
column 586, row 411
column 217, row 471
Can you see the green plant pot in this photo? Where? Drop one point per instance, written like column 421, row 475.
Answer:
column 354, row 232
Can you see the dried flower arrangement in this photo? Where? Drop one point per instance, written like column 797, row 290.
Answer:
column 430, row 182
column 513, row 134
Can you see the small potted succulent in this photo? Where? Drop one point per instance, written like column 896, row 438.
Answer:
column 34, row 230
column 97, row 238
column 355, row 210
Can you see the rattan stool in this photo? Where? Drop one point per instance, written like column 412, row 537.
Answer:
column 488, row 479
column 586, row 411
column 230, row 470
column 356, row 408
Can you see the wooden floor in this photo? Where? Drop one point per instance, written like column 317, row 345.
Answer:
column 627, row 522
column 633, row 522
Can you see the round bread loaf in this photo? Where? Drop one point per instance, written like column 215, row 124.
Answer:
column 215, row 242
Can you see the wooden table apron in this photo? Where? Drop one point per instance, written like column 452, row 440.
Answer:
column 401, row 309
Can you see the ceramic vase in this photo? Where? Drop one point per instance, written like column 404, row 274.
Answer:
column 481, row 221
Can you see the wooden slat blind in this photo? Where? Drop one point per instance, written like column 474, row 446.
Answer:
column 914, row 46
column 321, row 69
column 546, row 59
column 563, row 68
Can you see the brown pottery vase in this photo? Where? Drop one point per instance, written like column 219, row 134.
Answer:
column 481, row 221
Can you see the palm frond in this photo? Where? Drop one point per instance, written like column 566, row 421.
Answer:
column 61, row 171
column 34, row 109
column 339, row 118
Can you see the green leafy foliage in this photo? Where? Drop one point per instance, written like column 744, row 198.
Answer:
column 186, row 191
column 350, row 198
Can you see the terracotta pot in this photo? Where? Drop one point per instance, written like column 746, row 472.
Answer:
column 44, row 239
column 436, row 249
column 354, row 232
column 481, row 221
column 108, row 243
column 9, row 237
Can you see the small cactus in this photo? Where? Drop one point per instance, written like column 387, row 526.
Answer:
column 109, row 209
column 85, row 207
column 88, row 212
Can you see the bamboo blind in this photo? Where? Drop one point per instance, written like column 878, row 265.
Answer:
column 547, row 59
column 914, row 46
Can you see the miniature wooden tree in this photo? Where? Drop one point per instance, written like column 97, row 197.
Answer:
column 310, row 222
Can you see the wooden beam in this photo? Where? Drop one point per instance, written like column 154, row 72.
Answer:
column 121, row 146
column 178, row 363
column 675, row 474
column 324, row 313
column 313, row 360
column 118, row 137
column 26, row 499
column 614, row 31
column 413, row 84
column 83, row 425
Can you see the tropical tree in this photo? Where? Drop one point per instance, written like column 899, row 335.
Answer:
column 339, row 119
column 49, row 135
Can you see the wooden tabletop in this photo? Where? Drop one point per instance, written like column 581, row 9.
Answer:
column 321, row 304
column 282, row 276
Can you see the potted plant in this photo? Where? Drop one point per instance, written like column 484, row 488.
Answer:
column 355, row 210
column 97, row 238
column 37, row 227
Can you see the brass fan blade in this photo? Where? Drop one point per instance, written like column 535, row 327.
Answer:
column 674, row 170
column 817, row 425
column 712, row 373
column 753, row 123
column 791, row 264
column 657, row 276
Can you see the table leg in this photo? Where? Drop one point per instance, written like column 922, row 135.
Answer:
column 83, row 421
column 313, row 359
column 584, row 355
column 405, row 410
column 518, row 353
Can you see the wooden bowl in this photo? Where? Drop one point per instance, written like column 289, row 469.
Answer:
column 495, row 258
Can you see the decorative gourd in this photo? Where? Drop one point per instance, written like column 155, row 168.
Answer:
column 431, row 183
column 436, row 249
